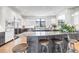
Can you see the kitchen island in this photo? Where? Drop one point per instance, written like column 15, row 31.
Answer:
column 33, row 38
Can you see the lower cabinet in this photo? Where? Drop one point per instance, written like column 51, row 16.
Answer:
column 2, row 38
column 33, row 44
column 9, row 35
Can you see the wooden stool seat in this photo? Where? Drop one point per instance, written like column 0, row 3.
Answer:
column 20, row 48
column 43, row 41
column 58, row 42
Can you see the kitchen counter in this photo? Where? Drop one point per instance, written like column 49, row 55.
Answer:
column 45, row 33
column 33, row 38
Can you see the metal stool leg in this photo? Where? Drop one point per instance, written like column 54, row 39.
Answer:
column 56, row 48
column 60, row 48
column 44, row 49
column 47, row 49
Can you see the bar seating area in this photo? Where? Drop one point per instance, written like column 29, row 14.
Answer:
column 57, row 45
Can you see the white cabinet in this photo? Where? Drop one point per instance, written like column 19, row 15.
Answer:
column 9, row 31
column 9, row 35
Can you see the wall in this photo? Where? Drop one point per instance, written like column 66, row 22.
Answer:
column 2, row 24
column 30, row 21
column 66, row 16
column 6, row 14
column 71, row 17
column 75, row 16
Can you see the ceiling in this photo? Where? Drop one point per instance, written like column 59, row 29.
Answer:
column 39, row 10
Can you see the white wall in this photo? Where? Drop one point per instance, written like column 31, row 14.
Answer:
column 2, row 24
column 66, row 16
column 75, row 16
column 71, row 17
column 30, row 22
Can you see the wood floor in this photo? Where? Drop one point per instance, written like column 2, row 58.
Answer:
column 7, row 48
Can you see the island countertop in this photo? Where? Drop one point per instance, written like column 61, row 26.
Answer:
column 33, row 38
column 45, row 33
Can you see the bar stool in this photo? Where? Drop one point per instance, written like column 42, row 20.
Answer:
column 44, row 45
column 58, row 46
column 20, row 48
column 72, row 48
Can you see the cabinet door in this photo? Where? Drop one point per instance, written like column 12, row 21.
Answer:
column 33, row 44
column 2, row 38
column 9, row 35
column 1, row 41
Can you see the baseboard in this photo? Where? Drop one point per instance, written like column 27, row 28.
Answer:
column 9, row 41
column 6, row 42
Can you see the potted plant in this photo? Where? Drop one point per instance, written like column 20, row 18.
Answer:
column 67, row 28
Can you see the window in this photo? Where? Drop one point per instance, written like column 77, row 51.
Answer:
column 40, row 23
column 61, row 17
